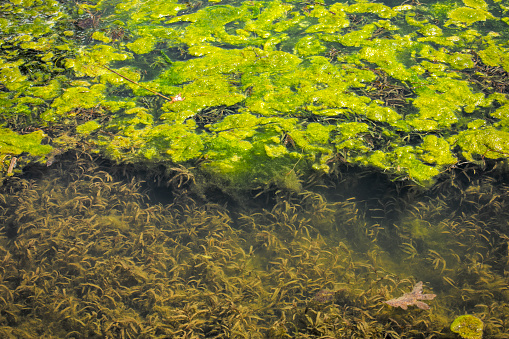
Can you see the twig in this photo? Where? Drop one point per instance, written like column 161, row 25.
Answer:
column 134, row 82
column 13, row 162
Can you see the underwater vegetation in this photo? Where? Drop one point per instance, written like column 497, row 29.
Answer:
column 267, row 88
column 86, row 252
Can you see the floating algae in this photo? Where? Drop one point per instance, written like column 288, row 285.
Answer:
column 468, row 327
column 407, row 72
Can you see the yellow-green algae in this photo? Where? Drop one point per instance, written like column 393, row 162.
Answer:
column 295, row 64
column 13, row 143
column 468, row 327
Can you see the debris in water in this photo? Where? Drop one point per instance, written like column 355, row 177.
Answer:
column 412, row 298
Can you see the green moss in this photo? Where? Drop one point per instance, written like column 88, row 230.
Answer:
column 468, row 327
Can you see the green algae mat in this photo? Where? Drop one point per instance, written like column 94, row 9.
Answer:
column 252, row 92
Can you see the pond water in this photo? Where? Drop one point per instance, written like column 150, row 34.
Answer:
column 254, row 169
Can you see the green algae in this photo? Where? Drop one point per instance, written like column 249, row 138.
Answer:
column 485, row 142
column 275, row 59
column 468, row 327
column 502, row 114
column 142, row 45
column 329, row 20
column 382, row 114
column 479, row 4
column 495, row 56
column 401, row 101
column 403, row 161
column 467, row 16
column 11, row 76
column 101, row 36
column 350, row 137
column 381, row 10
column 443, row 100
column 309, row 46
column 76, row 97
column 387, row 54
column 437, row 151
column 88, row 127
column 13, row 143
column 22, row 149
column 430, row 30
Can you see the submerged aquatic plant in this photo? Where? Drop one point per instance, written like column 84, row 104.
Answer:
column 86, row 249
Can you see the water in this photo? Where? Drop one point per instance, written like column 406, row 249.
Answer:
column 324, row 160
column 89, row 251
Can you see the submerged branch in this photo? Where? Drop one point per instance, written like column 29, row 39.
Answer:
column 138, row 84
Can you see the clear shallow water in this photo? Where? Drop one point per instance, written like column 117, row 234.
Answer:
column 89, row 251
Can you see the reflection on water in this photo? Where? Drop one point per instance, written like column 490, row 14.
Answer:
column 88, row 251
